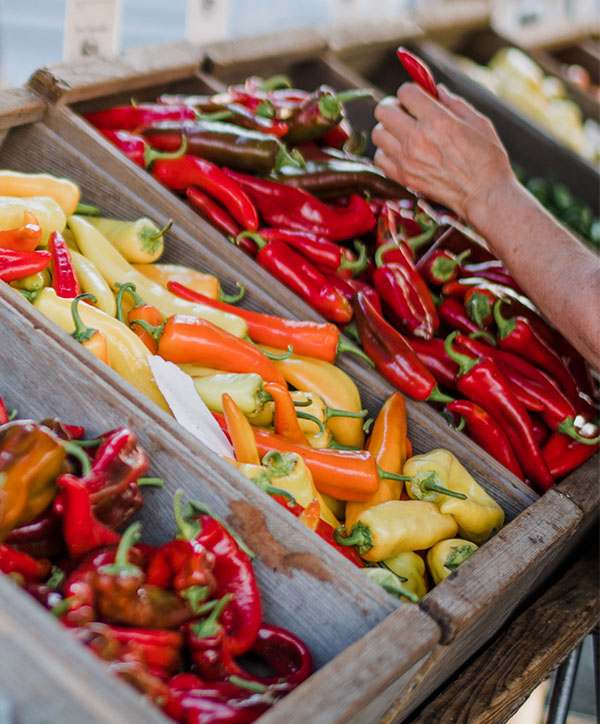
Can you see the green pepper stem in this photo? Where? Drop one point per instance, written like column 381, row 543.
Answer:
column 254, row 686
column 436, row 395
column 360, row 536
column 216, row 116
column 334, row 412
column 88, row 443
column 122, row 565
column 12, row 414
column 505, row 326
column 479, row 306
column 154, row 332
column 307, row 416
column 390, row 582
column 482, row 334
column 333, row 445
column 232, row 298
column 285, row 158
column 415, row 242
column 367, row 425
column 353, row 94
column 356, row 265
column 137, row 300
column 161, row 232
column 567, row 427
column 274, row 490
column 344, row 345
column 187, row 531
column 151, row 482
column 382, row 250
column 301, row 403
column 265, row 109
column 82, row 332
column 441, row 489
column 209, row 627
column 196, row 508
column 461, row 424
column 386, row 475
column 464, row 362
column 253, row 236
column 151, row 154
column 275, row 82
column 87, row 210
column 271, row 355
column 76, row 452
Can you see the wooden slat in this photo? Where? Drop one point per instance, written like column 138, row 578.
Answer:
column 71, row 82
column 551, row 34
column 441, row 18
column 499, row 679
column 581, row 487
column 18, row 106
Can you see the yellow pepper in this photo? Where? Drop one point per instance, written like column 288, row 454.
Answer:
column 62, row 190
column 477, row 517
column 447, row 555
column 289, row 471
column 48, row 213
column 391, row 583
column 128, row 354
column 92, row 282
column 260, row 477
column 390, row 528
column 31, row 458
column 245, row 389
column 337, row 507
column 162, row 274
column 199, row 371
column 138, row 241
column 34, row 282
column 114, row 268
column 411, row 566
column 334, row 386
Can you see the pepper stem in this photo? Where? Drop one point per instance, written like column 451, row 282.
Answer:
column 382, row 250
column 87, row 210
column 436, row 395
column 195, row 508
column 415, row 242
column 151, row 155
column 253, row 236
column 271, row 355
column 334, row 412
column 353, row 94
column 76, row 452
column 187, row 530
column 275, row 82
column 429, row 484
column 254, row 686
column 82, row 332
column 232, row 298
column 216, row 116
column 386, row 475
column 482, row 334
column 567, row 427
column 307, row 416
column 301, row 403
column 390, row 582
column 151, row 482
column 154, row 332
column 479, row 306
column 464, row 362
column 88, row 443
column 208, row 628
column 122, row 565
column 360, row 536
column 344, row 345
column 505, row 326
column 161, row 232
column 333, row 445
column 356, row 265
column 137, row 300
column 285, row 158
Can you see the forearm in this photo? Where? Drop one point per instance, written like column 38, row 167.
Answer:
column 559, row 274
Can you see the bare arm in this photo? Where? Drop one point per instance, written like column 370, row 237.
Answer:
column 450, row 152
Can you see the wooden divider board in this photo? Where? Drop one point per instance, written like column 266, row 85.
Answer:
column 305, row 586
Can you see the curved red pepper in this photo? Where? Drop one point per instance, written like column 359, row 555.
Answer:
column 137, row 149
column 64, row 277
column 417, row 70
column 562, row 455
column 211, row 211
column 479, row 304
column 453, row 313
column 136, row 118
column 433, row 355
column 18, row 264
column 349, row 287
column 31, row 569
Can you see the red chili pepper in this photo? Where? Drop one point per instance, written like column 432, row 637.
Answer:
column 4, row 416
column 481, row 381
column 18, row 264
column 457, row 241
column 234, row 577
column 517, row 335
column 138, row 117
column 138, row 150
column 432, row 353
column 337, row 136
column 487, row 433
column 313, row 339
column 211, row 211
column 64, row 276
column 492, row 271
column 282, row 205
column 442, row 266
column 23, row 238
column 301, row 277
column 331, row 258
column 349, row 287
column 453, row 313
column 392, row 354
column 16, row 562
column 417, row 70
column 479, row 304
column 181, row 173
column 562, row 455
column 540, row 430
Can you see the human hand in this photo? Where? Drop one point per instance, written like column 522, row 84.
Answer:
column 444, row 149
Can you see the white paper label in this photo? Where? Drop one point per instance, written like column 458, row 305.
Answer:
column 91, row 28
column 207, row 20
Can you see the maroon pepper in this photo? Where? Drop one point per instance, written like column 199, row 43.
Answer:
column 213, row 213
column 301, row 277
column 181, row 173
column 487, row 433
column 432, row 354
column 392, row 354
column 517, row 335
column 284, row 206
column 41, row 537
column 138, row 150
column 540, row 430
column 481, row 381
column 138, row 117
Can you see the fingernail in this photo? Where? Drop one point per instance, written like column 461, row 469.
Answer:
column 388, row 101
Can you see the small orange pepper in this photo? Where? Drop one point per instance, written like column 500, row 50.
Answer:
column 240, row 431
column 310, row 516
column 24, row 238
column 286, row 422
column 145, row 312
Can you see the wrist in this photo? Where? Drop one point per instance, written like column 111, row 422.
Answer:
column 485, row 205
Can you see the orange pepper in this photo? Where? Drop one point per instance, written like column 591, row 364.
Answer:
column 286, row 422
column 310, row 516
column 162, row 274
column 24, row 238
column 240, row 432
column 388, row 444
column 145, row 312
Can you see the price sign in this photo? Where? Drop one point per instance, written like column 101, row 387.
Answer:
column 91, row 28
column 207, row 20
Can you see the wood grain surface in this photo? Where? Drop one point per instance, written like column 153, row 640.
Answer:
column 499, row 679
column 18, row 106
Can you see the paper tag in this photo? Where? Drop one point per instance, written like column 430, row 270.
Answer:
column 91, row 28
column 207, row 20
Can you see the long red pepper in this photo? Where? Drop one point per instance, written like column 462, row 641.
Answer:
column 18, row 264
column 517, row 335
column 417, row 70
column 562, row 455
column 137, row 149
column 481, row 381
column 313, row 339
column 392, row 354
column 442, row 266
column 138, row 117
column 432, row 353
column 180, row 173
column 487, row 433
column 350, row 287
column 479, row 303
column 301, row 277
column 16, row 562
column 212, row 212
column 453, row 313
column 64, row 277
column 284, row 206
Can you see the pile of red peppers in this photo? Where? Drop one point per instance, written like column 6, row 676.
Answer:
column 280, row 172
column 172, row 620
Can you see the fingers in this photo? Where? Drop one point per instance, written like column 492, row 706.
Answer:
column 389, row 143
column 386, row 164
column 417, row 101
column 465, row 111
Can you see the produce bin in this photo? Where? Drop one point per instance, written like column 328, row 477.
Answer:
column 469, row 606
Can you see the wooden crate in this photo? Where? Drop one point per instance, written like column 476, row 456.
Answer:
column 528, row 145
column 466, row 623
